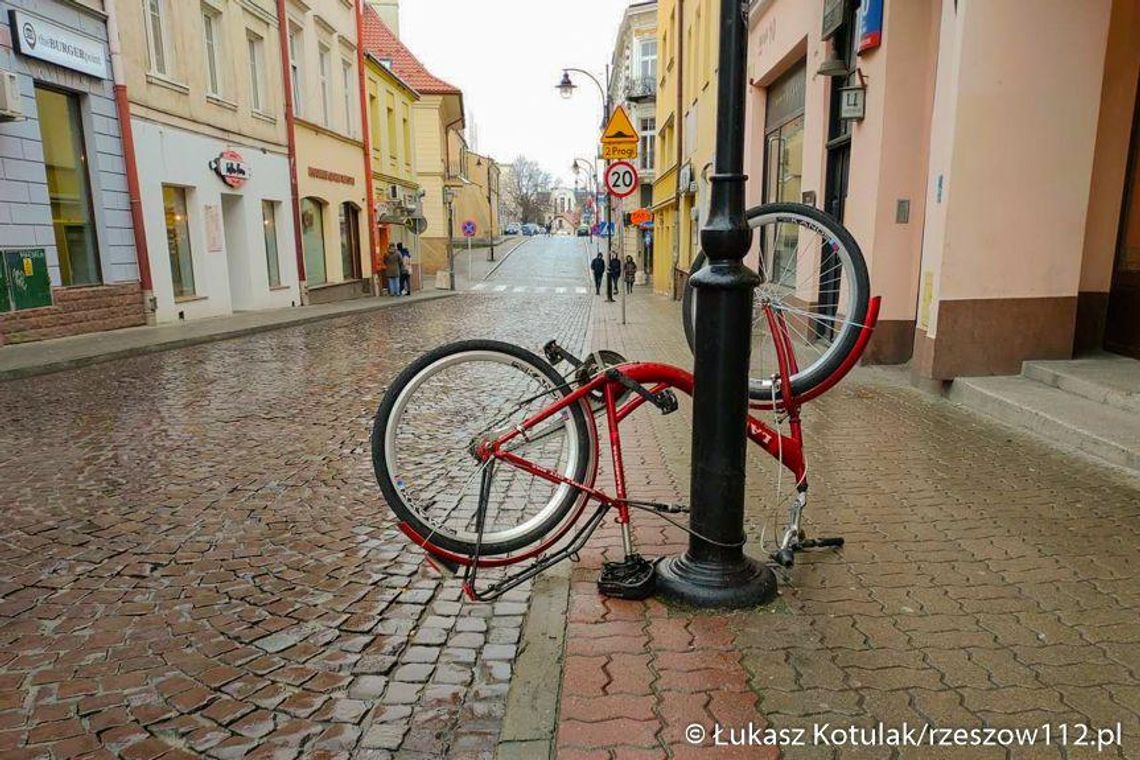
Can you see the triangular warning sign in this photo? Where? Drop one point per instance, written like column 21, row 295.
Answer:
column 620, row 128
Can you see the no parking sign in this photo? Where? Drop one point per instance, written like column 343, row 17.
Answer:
column 469, row 228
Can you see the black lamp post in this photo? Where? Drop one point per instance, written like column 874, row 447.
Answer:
column 715, row 572
column 567, row 87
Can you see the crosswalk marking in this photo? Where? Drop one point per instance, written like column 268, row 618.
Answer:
column 536, row 289
column 580, row 291
column 479, row 286
column 500, row 288
column 541, row 289
column 560, row 290
column 519, row 289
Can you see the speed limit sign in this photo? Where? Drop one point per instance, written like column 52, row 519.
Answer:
column 621, row 179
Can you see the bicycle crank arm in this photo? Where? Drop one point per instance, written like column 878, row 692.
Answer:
column 666, row 400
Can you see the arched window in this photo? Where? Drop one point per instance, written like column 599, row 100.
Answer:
column 313, row 240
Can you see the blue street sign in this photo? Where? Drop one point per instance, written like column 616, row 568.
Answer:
column 469, row 228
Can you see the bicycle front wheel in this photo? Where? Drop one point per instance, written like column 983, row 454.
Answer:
column 815, row 278
column 430, row 424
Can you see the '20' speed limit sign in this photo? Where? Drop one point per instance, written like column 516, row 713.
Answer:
column 621, row 179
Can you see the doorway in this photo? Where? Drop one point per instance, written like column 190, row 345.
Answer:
column 1122, row 328
column 237, row 251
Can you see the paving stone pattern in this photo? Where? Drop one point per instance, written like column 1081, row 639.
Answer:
column 195, row 559
column 987, row 580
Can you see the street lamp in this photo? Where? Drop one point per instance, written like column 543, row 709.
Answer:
column 714, row 571
column 449, row 196
column 566, row 88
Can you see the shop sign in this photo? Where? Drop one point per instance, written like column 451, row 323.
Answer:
column 35, row 37
column 340, row 179
column 852, row 103
column 232, row 168
column 786, row 98
column 833, row 14
column 640, row 216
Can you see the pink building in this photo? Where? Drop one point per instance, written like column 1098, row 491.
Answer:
column 992, row 178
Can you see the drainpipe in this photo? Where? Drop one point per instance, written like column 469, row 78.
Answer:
column 291, row 135
column 366, row 133
column 679, row 121
column 123, row 110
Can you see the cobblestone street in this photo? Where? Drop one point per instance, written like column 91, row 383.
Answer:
column 196, row 561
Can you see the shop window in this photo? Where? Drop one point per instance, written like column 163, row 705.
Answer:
column 783, row 169
column 178, row 240
column 350, row 241
column 313, row 240
column 272, row 256
column 69, row 188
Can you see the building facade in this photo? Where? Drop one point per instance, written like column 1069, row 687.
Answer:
column 478, row 198
column 435, row 115
column 688, row 43
column 68, row 261
column 398, row 196
column 633, row 85
column 993, row 190
column 323, row 78
column 204, row 81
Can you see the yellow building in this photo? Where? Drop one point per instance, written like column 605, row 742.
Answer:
column 477, row 199
column 321, row 43
column 437, row 112
column 688, row 46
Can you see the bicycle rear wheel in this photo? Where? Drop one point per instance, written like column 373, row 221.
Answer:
column 814, row 276
column 432, row 419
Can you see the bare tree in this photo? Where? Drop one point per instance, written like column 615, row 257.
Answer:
column 528, row 189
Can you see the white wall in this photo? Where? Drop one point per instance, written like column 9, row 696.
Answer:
column 171, row 156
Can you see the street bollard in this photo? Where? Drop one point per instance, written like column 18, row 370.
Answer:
column 715, row 572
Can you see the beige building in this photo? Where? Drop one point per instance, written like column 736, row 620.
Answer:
column 633, row 85
column 992, row 187
column 435, row 115
column 204, row 81
column 321, row 46
column 478, row 197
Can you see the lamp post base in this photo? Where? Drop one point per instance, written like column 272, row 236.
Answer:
column 680, row 578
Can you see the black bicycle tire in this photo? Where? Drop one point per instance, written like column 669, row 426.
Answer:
column 408, row 515
column 807, row 380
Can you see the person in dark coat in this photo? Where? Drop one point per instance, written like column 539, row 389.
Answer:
column 630, row 273
column 614, row 270
column 405, row 269
column 598, row 267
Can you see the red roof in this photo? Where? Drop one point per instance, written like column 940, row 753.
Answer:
column 382, row 43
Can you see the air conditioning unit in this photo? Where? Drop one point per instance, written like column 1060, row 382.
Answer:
column 411, row 199
column 11, row 104
column 394, row 193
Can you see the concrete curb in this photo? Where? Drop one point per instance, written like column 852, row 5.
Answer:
column 530, row 722
column 170, row 344
column 506, row 256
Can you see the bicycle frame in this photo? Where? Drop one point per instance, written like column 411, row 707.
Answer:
column 656, row 378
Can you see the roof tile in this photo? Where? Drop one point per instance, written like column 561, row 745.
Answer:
column 382, row 43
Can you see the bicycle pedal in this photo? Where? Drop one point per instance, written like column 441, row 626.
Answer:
column 632, row 578
column 667, row 402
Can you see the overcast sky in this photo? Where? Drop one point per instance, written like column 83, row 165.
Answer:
column 507, row 56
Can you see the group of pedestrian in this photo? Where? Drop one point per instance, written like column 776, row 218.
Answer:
column 616, row 271
column 398, row 270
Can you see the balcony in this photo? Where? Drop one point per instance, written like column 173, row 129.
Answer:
column 641, row 90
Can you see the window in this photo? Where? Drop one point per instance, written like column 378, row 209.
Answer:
column 374, row 124
column 648, row 141
column 324, row 67
column 69, row 191
column 407, row 140
column 256, row 47
column 783, row 168
column 346, row 81
column 157, row 44
column 313, row 240
column 391, row 122
column 211, row 30
column 647, row 66
column 295, row 67
column 350, row 241
column 272, row 258
column 178, row 241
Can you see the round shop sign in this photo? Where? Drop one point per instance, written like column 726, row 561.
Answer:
column 29, row 33
column 232, row 168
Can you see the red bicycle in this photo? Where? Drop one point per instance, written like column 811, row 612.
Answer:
column 489, row 456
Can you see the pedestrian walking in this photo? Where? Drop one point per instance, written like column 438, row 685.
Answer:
column 614, row 270
column 405, row 269
column 392, row 269
column 598, row 266
column 630, row 273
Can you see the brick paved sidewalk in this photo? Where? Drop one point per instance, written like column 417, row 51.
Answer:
column 987, row 580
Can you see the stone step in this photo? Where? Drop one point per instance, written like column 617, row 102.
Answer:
column 1106, row 379
column 1064, row 419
